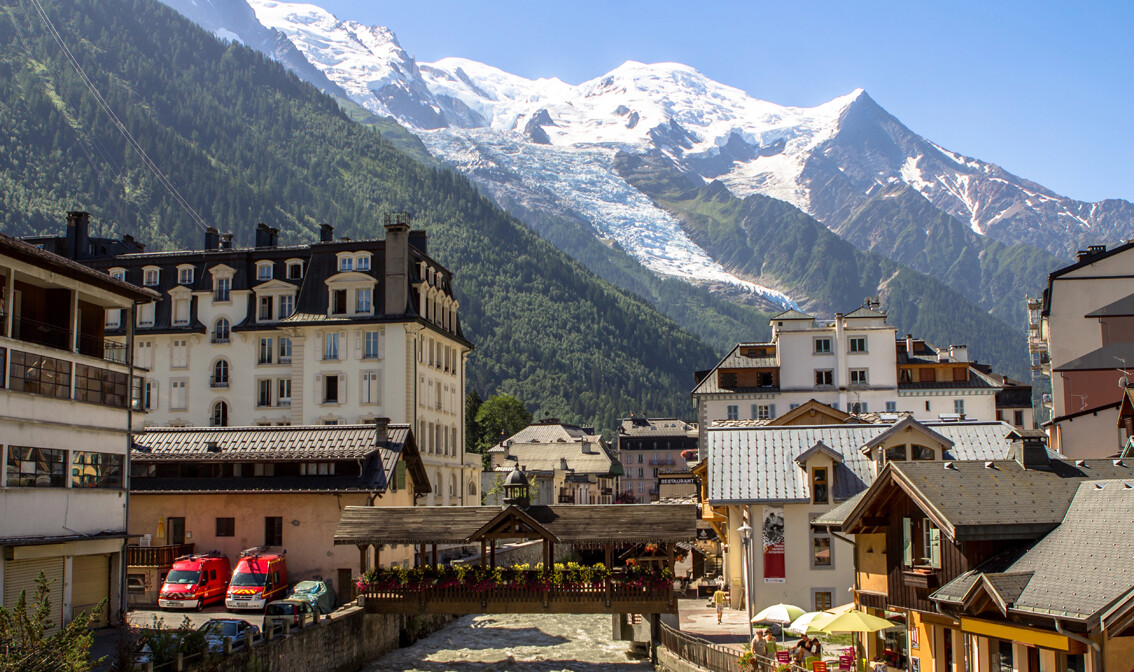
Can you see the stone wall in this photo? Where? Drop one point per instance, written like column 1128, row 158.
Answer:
column 344, row 643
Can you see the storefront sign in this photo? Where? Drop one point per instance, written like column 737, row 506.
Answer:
column 773, row 531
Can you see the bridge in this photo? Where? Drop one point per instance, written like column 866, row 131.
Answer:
column 638, row 543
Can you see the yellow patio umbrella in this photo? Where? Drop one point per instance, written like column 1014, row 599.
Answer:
column 854, row 620
column 841, row 609
column 810, row 623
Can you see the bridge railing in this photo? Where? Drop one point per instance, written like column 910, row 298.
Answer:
column 715, row 657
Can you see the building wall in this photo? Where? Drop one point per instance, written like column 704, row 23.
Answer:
column 1089, row 389
column 1085, row 436
column 310, row 543
column 1069, row 335
column 872, row 572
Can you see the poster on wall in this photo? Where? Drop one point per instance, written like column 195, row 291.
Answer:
column 773, row 545
column 915, row 665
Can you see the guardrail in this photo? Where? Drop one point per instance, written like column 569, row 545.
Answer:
column 155, row 556
column 717, row 658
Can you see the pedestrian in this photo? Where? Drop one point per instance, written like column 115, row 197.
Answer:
column 718, row 602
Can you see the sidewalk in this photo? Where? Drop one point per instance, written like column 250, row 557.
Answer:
column 697, row 619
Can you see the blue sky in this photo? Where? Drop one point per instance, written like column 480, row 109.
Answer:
column 1043, row 89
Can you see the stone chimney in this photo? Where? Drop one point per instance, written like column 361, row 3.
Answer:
column 266, row 236
column 326, row 233
column 226, row 241
column 381, row 431
column 397, row 263
column 78, row 234
column 959, row 353
column 1030, row 451
column 420, row 240
column 212, row 238
column 909, row 344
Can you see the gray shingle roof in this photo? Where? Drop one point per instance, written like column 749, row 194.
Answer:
column 654, row 427
column 757, row 464
column 1110, row 356
column 297, row 442
column 835, row 517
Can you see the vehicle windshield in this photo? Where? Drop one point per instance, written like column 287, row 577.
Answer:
column 281, row 609
column 247, row 579
column 182, row 577
column 220, row 629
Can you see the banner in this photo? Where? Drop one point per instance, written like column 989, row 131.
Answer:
column 774, row 545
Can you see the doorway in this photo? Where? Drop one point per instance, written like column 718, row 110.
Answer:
column 176, row 527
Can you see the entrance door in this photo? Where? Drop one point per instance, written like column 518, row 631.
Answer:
column 176, row 527
column 346, row 594
column 21, row 575
column 90, row 585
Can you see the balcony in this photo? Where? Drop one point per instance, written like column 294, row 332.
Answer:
column 925, row 578
column 59, row 337
column 155, row 556
column 218, row 383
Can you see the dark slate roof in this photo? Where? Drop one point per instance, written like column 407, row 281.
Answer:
column 757, row 464
column 653, row 427
column 1121, row 308
column 970, row 500
column 1108, row 357
column 571, row 524
column 792, row 315
column 32, row 254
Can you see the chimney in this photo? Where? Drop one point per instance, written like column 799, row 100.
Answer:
column 381, row 431
column 226, row 241
column 1030, row 451
column 959, row 353
column 326, row 233
column 418, row 238
column 909, row 344
column 78, row 228
column 212, row 238
column 397, row 263
column 265, row 235
column 1082, row 255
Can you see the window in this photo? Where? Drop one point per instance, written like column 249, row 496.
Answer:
column 857, row 344
column 763, row 411
column 264, row 392
column 896, row 453
column 222, row 289
column 733, row 412
column 220, row 330
column 1002, row 656
column 285, row 350
column 346, row 264
column 370, row 344
column 857, row 407
column 35, row 467
column 151, row 400
column 181, row 311
column 295, row 270
column 891, row 407
column 921, row 543
column 331, row 345
column 330, row 389
column 284, row 398
column 146, row 314
column 287, row 306
column 364, row 263
column 118, row 274
column 927, row 405
column 920, row 452
column 338, row 301
column 265, row 351
column 226, row 527
column 220, row 415
column 265, row 312
column 820, row 551
column 822, row 600
column 185, row 275
column 151, row 277
column 858, row 376
column 113, row 319
column 177, row 395
column 819, row 492
column 824, row 377
column 822, row 346
column 362, row 301
column 1018, row 418
column 273, row 531
column 179, row 354
column 371, row 387
column 96, row 470
column 40, row 375
column 101, row 386
column 220, row 374
column 959, row 406
column 264, row 272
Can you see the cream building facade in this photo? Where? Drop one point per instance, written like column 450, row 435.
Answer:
column 65, row 419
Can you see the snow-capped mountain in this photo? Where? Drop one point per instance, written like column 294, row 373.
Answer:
column 546, row 145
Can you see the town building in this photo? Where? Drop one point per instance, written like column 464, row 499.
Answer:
column 564, row 464
column 775, row 479
column 232, row 488
column 66, row 414
column 649, row 448
column 1016, row 564
column 335, row 332
column 855, row 362
column 1081, row 336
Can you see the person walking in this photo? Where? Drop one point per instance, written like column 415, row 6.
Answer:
column 718, row 602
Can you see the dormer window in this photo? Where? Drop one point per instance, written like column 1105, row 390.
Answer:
column 118, row 273
column 921, row 452
column 264, row 270
column 896, row 454
column 364, row 262
column 362, row 301
column 338, row 301
column 295, row 270
column 346, row 264
column 185, row 274
column 222, row 289
column 181, row 311
column 265, row 312
column 819, row 490
column 287, row 306
column 151, row 276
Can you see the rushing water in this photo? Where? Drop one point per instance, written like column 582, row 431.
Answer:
column 517, row 642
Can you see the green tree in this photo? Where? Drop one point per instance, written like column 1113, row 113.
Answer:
column 472, row 428
column 25, row 646
column 500, row 416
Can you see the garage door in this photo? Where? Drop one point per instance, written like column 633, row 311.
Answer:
column 91, row 585
column 21, row 575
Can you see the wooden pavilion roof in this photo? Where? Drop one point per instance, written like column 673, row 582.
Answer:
column 580, row 525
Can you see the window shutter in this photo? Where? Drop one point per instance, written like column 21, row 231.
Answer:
column 381, row 344
column 771, row 411
column 907, row 543
column 401, row 475
column 319, row 346
column 154, row 388
column 376, row 387
column 342, row 388
column 934, row 535
column 343, row 344
column 358, row 341
column 362, row 382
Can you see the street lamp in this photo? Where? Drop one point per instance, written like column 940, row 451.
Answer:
column 746, row 540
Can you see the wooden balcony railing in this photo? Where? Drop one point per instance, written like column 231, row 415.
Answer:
column 155, row 556
column 601, row 599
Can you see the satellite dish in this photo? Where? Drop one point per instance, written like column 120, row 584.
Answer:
column 1123, row 382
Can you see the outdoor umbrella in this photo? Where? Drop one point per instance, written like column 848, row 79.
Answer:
column 854, row 620
column 778, row 613
column 810, row 623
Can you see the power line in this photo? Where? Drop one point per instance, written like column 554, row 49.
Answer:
column 146, row 160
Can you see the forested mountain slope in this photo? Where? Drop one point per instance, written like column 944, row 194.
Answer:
column 245, row 141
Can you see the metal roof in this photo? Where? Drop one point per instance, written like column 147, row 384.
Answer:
column 757, row 464
column 296, row 442
column 654, row 427
column 1113, row 356
column 72, row 269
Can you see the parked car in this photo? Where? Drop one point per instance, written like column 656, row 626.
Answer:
column 296, row 612
column 195, row 580
column 217, row 629
column 259, row 578
column 322, row 598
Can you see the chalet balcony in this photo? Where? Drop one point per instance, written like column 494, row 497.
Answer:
column 925, row 578
column 155, row 556
column 602, row 599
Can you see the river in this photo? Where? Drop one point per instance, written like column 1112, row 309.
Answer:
column 518, row 642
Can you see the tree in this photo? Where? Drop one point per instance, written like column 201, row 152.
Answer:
column 499, row 417
column 472, row 428
column 24, row 646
